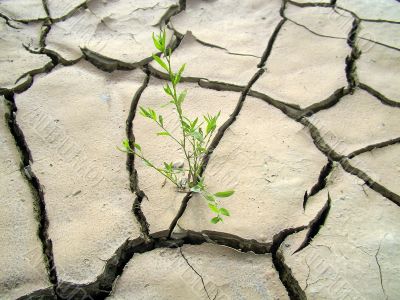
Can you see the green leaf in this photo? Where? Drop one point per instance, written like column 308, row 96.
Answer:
column 224, row 194
column 163, row 38
column 224, row 212
column 153, row 114
column 156, row 43
column 195, row 189
column 144, row 112
column 167, row 90
column 198, row 136
column 215, row 220
column 160, row 62
column 181, row 97
column 163, row 133
column 213, row 208
column 125, row 143
column 210, row 198
column 177, row 77
column 137, row 146
column 161, row 120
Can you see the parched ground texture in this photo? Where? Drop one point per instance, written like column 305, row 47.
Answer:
column 309, row 138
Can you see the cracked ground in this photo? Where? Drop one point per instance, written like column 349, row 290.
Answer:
column 308, row 137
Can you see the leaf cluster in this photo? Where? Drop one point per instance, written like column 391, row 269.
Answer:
column 194, row 138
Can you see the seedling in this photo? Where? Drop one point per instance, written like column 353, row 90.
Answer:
column 196, row 135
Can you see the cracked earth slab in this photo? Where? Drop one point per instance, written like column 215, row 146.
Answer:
column 383, row 33
column 249, row 22
column 323, row 21
column 378, row 67
column 303, row 73
column 388, row 10
column 188, row 272
column 72, row 119
column 232, row 69
column 16, row 61
column 59, row 8
column 29, row 11
column 270, row 161
column 118, row 30
column 162, row 200
column 22, row 264
column 367, row 122
column 353, row 255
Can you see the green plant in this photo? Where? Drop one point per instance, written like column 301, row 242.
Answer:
column 194, row 142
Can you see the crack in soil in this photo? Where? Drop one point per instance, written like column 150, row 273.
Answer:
column 130, row 162
column 374, row 146
column 355, row 54
column 380, row 270
column 36, row 188
column 315, row 225
column 378, row 95
column 321, row 183
column 270, row 44
column 329, row 102
column 194, row 270
column 344, row 162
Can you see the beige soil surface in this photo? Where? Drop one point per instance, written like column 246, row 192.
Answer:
column 308, row 138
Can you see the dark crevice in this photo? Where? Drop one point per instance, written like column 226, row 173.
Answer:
column 320, row 185
column 377, row 187
column 311, row 4
column 46, row 8
column 319, row 142
column 374, row 146
column 285, row 273
column 8, row 21
column 351, row 67
column 223, row 239
column 103, row 285
column 170, row 12
column 378, row 95
column 36, row 188
column 289, row 109
column 108, row 64
column 270, row 44
column 27, row 80
column 380, row 21
column 344, row 162
column 70, row 13
column 46, row 27
column 315, row 225
column 180, row 212
column 130, row 162
column 331, row 101
column 220, row 86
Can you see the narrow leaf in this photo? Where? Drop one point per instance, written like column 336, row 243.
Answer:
column 161, row 120
column 164, row 133
column 137, row 146
column 160, row 62
column 215, row 220
column 224, row 194
column 224, row 211
column 156, row 43
column 210, row 198
column 213, row 208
